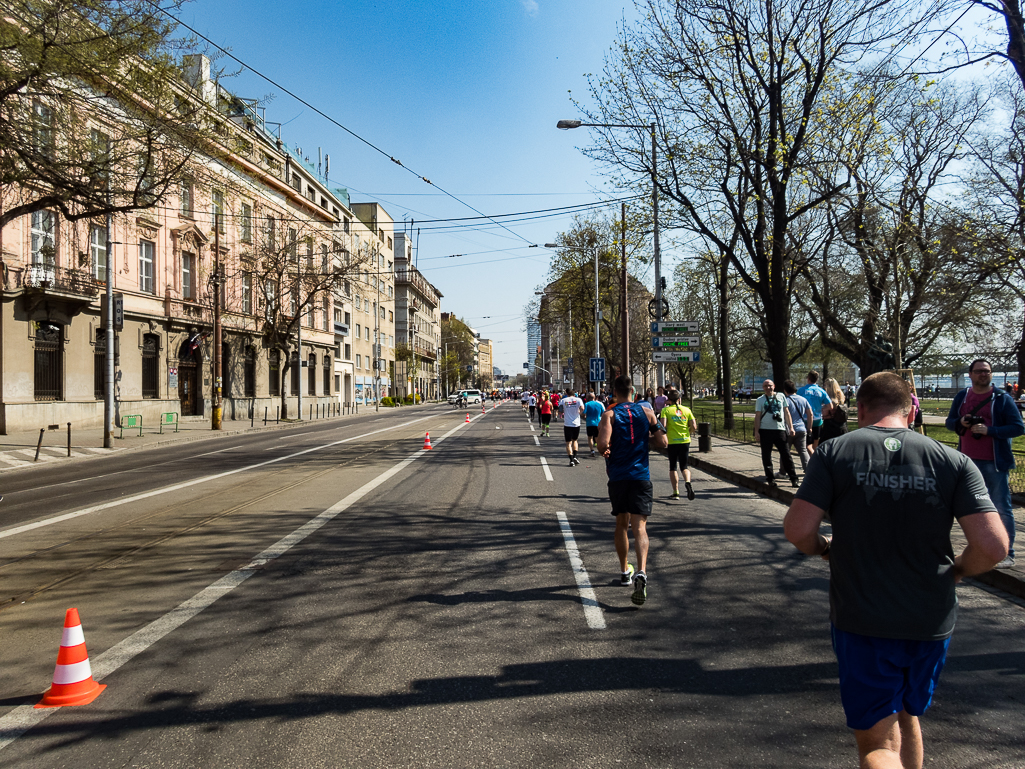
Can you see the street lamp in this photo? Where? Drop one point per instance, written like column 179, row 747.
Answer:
column 568, row 124
column 572, row 369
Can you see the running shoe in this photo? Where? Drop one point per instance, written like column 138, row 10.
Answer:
column 640, row 593
column 572, row 463
column 690, row 490
column 574, row 460
column 626, row 578
column 594, row 453
column 675, row 495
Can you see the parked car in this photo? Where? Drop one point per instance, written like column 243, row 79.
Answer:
column 466, row 397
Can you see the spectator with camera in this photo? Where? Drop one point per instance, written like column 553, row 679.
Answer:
column 772, row 428
column 987, row 420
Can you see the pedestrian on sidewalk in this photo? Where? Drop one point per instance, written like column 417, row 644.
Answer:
column 834, row 414
column 572, row 407
column 593, row 409
column 818, row 398
column 679, row 422
column 892, row 496
column 987, row 420
column 623, row 441
column 801, row 417
column 772, row 427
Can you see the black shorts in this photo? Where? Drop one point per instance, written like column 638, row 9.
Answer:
column 816, row 428
column 571, row 433
column 633, row 497
column 546, row 418
column 532, row 411
column 592, row 431
column 678, row 453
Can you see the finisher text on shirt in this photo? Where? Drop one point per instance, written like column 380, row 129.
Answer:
column 884, row 481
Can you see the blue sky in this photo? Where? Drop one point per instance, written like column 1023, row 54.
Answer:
column 466, row 94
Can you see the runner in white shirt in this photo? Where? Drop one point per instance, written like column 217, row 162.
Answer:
column 532, row 403
column 572, row 407
column 523, row 400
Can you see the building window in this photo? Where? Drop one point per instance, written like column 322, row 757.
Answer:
column 325, row 260
column 44, row 250
column 146, row 250
column 359, row 331
column 187, row 202
column 348, row 318
column 269, row 233
column 250, row 373
column 295, row 369
column 245, row 221
column 309, row 254
column 42, row 128
column 99, row 151
column 327, row 375
column 359, row 359
column 327, row 314
column 311, row 374
column 274, row 372
column 391, row 315
column 390, row 295
column 338, row 383
column 345, row 225
column 49, row 362
column 189, row 276
column 150, row 366
column 247, row 293
column 270, row 299
column 98, row 252
column 100, row 365
column 348, row 352
column 217, row 210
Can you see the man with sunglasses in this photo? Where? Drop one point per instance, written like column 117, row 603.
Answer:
column 772, row 427
column 987, row 421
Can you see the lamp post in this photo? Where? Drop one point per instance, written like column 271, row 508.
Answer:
column 568, row 124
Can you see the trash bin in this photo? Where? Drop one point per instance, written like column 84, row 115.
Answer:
column 704, row 436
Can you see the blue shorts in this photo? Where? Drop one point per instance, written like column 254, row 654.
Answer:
column 883, row 676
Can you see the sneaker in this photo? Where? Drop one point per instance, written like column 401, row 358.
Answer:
column 781, row 474
column 626, row 578
column 675, row 495
column 594, row 453
column 795, row 483
column 690, row 491
column 1007, row 563
column 640, row 593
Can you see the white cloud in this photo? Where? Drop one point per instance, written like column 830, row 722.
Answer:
column 530, row 6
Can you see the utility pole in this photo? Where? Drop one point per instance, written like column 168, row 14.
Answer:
column 299, row 326
column 661, row 376
column 377, row 334
column 216, row 396
column 108, row 336
column 626, row 306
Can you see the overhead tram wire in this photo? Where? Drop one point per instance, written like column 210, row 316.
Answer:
column 327, row 117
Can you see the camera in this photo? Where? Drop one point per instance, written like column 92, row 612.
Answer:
column 972, row 420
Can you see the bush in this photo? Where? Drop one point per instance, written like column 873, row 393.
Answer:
column 408, row 400
column 387, row 401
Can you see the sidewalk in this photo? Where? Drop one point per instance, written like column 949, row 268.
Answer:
column 19, row 449
column 741, row 464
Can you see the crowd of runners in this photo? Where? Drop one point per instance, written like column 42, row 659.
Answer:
column 621, row 426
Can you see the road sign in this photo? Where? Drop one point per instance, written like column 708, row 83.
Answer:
column 672, row 356
column 675, row 327
column 677, row 342
column 597, row 369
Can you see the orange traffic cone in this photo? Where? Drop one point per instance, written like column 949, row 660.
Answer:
column 73, row 682
column 467, row 417
column 482, row 409
column 427, row 443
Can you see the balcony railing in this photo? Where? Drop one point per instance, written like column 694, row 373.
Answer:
column 51, row 278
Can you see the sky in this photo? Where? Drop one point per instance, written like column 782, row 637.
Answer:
column 466, row 94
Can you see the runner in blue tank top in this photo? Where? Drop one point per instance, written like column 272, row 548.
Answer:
column 623, row 441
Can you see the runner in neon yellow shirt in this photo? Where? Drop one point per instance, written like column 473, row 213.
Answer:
column 679, row 421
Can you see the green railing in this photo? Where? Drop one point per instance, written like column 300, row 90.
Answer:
column 743, row 431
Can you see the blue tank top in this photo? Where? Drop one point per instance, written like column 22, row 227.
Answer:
column 628, row 459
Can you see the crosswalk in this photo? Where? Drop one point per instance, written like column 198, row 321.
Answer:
column 12, row 458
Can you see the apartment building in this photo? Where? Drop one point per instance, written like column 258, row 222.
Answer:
column 290, row 257
column 485, row 365
column 417, row 323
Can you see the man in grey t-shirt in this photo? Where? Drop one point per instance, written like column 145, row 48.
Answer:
column 892, row 496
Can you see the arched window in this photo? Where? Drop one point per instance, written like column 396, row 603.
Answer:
column 250, row 372
column 327, row 375
column 274, row 372
column 150, row 366
column 311, row 374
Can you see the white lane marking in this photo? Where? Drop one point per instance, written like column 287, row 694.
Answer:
column 531, row 427
column 187, row 484
column 537, row 440
column 592, row 611
column 308, row 432
column 544, row 466
column 24, row 717
column 220, row 451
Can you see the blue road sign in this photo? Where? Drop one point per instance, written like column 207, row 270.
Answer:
column 597, row 369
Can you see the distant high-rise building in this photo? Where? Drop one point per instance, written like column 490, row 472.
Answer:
column 533, row 344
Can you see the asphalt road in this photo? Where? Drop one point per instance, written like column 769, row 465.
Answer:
column 353, row 601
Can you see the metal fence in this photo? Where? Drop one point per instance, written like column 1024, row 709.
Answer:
column 743, row 431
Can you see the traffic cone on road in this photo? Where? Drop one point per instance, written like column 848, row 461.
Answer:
column 427, row 443
column 73, row 682
column 467, row 418
column 482, row 409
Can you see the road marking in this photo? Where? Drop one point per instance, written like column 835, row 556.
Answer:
column 24, row 717
column 592, row 610
column 544, row 466
column 537, row 440
column 221, row 451
column 187, row 484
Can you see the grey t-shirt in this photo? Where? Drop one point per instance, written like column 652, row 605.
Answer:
column 798, row 411
column 892, row 496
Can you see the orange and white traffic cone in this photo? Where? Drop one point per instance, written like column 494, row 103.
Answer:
column 467, row 418
column 73, row 682
column 482, row 409
column 427, row 443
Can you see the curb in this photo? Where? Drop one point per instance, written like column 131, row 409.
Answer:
column 1009, row 580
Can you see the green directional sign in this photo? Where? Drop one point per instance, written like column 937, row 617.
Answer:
column 676, row 342
column 674, row 356
column 675, row 327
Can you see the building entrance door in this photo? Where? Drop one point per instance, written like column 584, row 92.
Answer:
column 188, row 387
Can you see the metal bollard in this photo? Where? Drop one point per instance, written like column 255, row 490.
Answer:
column 265, row 416
column 69, row 439
column 277, row 415
column 704, row 437
column 252, row 415
column 311, row 412
column 42, row 431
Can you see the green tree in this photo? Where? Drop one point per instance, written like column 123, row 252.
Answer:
column 95, row 117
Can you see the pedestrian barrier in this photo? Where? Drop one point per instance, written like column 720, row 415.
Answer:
column 130, row 422
column 73, row 682
column 168, row 418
